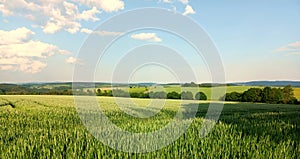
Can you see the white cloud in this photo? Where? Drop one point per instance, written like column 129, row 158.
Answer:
column 15, row 36
column 22, row 64
column 167, row 1
column 106, row 5
column 293, row 48
column 73, row 60
column 189, row 10
column 4, row 11
column 152, row 37
column 107, row 33
column 89, row 14
column 19, row 53
column 51, row 15
column 85, row 30
column 101, row 33
column 184, row 1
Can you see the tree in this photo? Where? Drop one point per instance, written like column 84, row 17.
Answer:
column 120, row 93
column 287, row 94
column 187, row 95
column 233, row 96
column 266, row 95
column 98, row 92
column 159, row 95
column 173, row 95
column 139, row 95
column 200, row 96
column 192, row 84
column 107, row 93
column 252, row 95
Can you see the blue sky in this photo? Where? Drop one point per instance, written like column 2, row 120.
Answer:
column 257, row 39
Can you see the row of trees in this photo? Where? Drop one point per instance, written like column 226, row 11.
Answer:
column 186, row 95
column 266, row 95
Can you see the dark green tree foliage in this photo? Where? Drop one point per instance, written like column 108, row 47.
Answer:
column 275, row 96
column 98, row 92
column 120, row 93
column 158, row 95
column 192, row 84
column 187, row 95
column 139, row 95
column 287, row 94
column 233, row 96
column 267, row 95
column 107, row 93
column 252, row 95
column 200, row 96
column 173, row 95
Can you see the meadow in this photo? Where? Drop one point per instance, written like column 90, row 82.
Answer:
column 49, row 127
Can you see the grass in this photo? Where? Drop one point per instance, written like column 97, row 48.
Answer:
column 49, row 127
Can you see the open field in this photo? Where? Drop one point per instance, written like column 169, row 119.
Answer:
column 297, row 93
column 49, row 127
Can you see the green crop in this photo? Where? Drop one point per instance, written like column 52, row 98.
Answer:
column 49, row 127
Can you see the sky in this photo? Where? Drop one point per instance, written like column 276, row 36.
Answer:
column 42, row 40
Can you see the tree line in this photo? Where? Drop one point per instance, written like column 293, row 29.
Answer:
column 186, row 95
column 266, row 95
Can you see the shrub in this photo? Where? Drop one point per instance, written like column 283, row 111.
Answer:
column 173, row 95
column 200, row 96
column 187, row 95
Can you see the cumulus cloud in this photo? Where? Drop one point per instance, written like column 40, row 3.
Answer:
column 85, row 30
column 101, row 33
column 184, row 1
column 55, row 15
column 152, row 37
column 189, row 10
column 106, row 5
column 19, row 53
column 73, row 60
column 15, row 36
column 293, row 48
column 167, row 1
column 89, row 14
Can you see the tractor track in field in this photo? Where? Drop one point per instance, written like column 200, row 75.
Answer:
column 13, row 104
column 8, row 103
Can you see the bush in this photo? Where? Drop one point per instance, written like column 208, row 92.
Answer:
column 233, row 96
column 120, row 93
column 200, row 96
column 158, row 95
column 173, row 95
column 187, row 95
column 139, row 95
column 252, row 95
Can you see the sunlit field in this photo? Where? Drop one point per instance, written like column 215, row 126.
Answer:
column 297, row 93
column 49, row 127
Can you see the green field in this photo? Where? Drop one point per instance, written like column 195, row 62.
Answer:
column 297, row 93
column 49, row 127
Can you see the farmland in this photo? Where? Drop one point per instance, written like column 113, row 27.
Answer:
column 297, row 93
column 49, row 127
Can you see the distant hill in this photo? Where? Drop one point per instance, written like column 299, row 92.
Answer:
column 268, row 83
